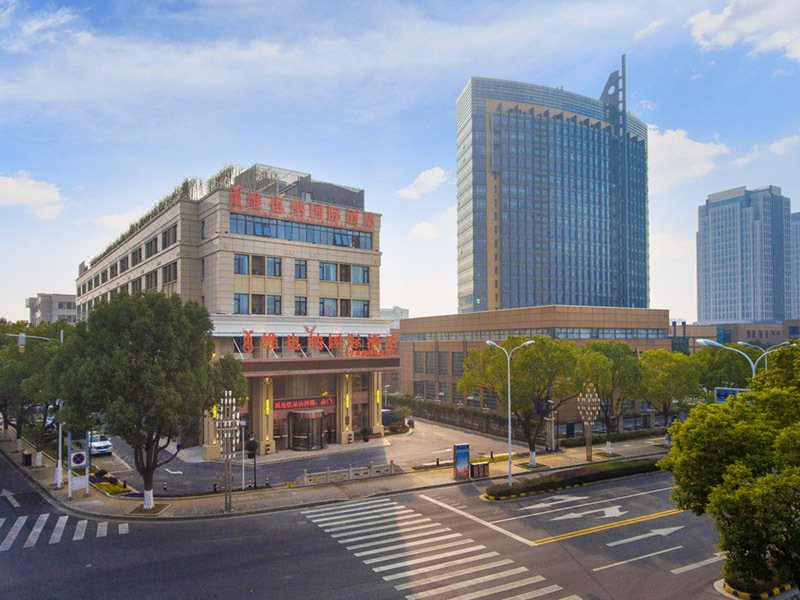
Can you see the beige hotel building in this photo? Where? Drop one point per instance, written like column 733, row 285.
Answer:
column 289, row 269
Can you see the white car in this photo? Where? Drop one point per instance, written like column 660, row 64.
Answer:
column 99, row 444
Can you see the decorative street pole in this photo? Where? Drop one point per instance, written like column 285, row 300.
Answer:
column 588, row 407
column 227, row 438
column 59, row 472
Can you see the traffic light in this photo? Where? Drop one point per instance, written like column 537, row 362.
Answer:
column 21, row 342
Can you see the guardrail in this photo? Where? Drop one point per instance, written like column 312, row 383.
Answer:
column 349, row 474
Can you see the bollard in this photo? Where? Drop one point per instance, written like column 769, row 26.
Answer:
column 437, row 461
column 164, row 486
column 215, row 488
column 249, row 483
column 491, row 454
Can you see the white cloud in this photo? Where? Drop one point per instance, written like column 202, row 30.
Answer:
column 650, row 29
column 115, row 222
column 754, row 154
column 425, row 231
column 425, row 183
column 766, row 25
column 785, row 144
column 696, row 76
column 41, row 199
column 645, row 106
column 674, row 158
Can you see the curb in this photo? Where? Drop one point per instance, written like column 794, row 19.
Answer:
column 760, row 596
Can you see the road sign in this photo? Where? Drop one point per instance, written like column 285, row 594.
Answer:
column 77, row 458
column 721, row 393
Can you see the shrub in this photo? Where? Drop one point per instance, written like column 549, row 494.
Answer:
column 397, row 427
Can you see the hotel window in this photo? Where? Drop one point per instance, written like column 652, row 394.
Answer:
column 240, row 304
column 97, row 281
column 327, row 271
column 344, row 272
column 344, row 307
column 113, row 270
column 123, row 289
column 360, row 308
column 300, row 269
column 241, row 264
column 257, row 265
column 273, row 305
column 104, row 276
column 259, row 304
column 359, row 274
column 327, row 307
column 136, row 257
column 202, row 268
column 169, row 236
column 419, row 362
column 273, row 266
column 151, row 280
column 202, row 230
column 169, row 273
column 150, row 247
column 136, row 285
column 300, row 306
column 123, row 264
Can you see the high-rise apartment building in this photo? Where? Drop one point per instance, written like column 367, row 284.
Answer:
column 743, row 257
column 552, row 197
column 793, row 310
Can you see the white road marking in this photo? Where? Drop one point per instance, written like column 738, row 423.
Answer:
column 541, row 592
column 80, row 530
column 345, row 506
column 372, row 561
column 102, row 529
column 481, row 521
column 10, row 497
column 553, row 500
column 663, row 532
column 33, row 537
column 407, row 544
column 394, row 527
column 13, row 533
column 453, row 574
column 400, row 538
column 58, row 530
column 356, row 516
column 424, row 559
column 467, row 583
column 394, row 531
column 608, row 512
column 709, row 561
column 630, row 560
column 173, row 472
column 546, row 512
column 440, row 566
column 123, row 529
column 501, row 588
column 413, row 515
column 442, row 451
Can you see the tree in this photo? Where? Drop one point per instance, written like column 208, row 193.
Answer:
column 721, row 368
column 543, row 377
column 142, row 366
column 620, row 383
column 669, row 378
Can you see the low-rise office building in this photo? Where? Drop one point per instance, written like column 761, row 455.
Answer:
column 289, row 269
column 50, row 308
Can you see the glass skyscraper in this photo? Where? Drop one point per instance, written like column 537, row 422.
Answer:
column 743, row 257
column 552, row 197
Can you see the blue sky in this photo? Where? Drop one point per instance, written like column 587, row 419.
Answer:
column 106, row 106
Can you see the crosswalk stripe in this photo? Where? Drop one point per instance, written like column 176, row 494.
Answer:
column 123, row 528
column 346, row 514
column 424, row 559
column 395, row 527
column 102, row 529
column 13, row 533
column 541, row 592
column 453, row 574
column 58, row 530
column 372, row 561
column 33, row 537
column 573, row 597
column 413, row 515
column 437, row 567
column 500, row 588
column 2, row 522
column 404, row 544
column 80, row 530
column 346, row 506
column 378, row 515
column 468, row 583
column 399, row 538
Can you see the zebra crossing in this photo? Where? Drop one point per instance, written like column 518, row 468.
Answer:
column 422, row 558
column 10, row 535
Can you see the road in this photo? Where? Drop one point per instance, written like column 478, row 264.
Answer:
column 615, row 540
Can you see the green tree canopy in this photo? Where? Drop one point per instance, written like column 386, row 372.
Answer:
column 722, row 368
column 669, row 378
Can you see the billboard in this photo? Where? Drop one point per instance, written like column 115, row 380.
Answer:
column 461, row 462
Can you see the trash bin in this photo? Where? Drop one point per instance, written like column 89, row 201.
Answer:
column 27, row 459
column 479, row 470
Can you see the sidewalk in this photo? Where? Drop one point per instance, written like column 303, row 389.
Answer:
column 99, row 504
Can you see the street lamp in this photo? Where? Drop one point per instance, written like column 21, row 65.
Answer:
column 508, row 359
column 59, row 473
column 765, row 352
column 753, row 365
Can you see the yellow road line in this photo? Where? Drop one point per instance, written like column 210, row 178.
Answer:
column 590, row 530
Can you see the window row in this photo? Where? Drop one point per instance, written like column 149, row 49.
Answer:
column 261, row 304
column 299, row 232
column 343, row 272
column 246, row 264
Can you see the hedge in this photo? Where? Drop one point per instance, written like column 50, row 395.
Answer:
column 615, row 437
column 560, row 479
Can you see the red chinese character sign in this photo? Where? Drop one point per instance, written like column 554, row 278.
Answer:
column 372, row 344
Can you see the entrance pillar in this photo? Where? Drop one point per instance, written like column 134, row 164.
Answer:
column 261, row 393
column 376, row 401
column 344, row 409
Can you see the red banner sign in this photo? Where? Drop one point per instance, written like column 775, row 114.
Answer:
column 305, row 403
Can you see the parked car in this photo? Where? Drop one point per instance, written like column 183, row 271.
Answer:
column 99, row 444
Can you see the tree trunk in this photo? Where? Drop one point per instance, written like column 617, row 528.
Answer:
column 526, row 429
column 147, row 477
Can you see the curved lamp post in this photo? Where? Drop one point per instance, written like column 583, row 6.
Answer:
column 764, row 352
column 508, row 359
column 753, row 364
